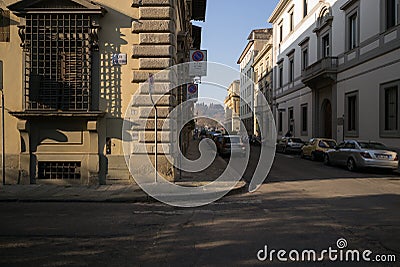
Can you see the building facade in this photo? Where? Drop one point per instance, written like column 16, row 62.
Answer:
column 232, row 107
column 336, row 69
column 256, row 41
column 262, row 67
column 71, row 68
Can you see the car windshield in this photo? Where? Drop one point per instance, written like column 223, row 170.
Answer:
column 327, row 143
column 234, row 139
column 372, row 145
column 296, row 140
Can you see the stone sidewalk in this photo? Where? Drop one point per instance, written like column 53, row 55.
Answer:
column 113, row 193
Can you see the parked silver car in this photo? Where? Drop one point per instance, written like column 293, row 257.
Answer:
column 362, row 154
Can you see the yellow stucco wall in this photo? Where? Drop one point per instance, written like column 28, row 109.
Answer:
column 11, row 55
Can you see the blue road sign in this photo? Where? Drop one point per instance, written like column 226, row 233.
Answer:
column 192, row 89
column 198, row 56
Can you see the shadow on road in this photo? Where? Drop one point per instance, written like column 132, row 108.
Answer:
column 227, row 235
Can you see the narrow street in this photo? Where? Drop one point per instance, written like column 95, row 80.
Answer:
column 302, row 205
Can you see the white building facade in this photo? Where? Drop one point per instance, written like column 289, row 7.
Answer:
column 337, row 69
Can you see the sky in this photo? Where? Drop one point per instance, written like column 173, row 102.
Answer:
column 225, row 31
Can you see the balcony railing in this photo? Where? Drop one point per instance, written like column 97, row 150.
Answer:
column 322, row 69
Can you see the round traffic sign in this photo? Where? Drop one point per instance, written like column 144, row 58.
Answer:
column 192, row 89
column 198, row 56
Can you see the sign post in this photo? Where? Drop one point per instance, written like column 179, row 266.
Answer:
column 151, row 89
column 1, row 75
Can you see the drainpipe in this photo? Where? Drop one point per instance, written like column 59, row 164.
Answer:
column 3, row 156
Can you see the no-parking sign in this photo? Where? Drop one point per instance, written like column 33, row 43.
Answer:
column 198, row 56
column 198, row 63
column 192, row 91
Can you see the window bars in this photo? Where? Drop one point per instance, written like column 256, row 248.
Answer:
column 57, row 62
column 4, row 25
column 59, row 170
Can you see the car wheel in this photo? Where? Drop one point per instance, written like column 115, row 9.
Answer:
column 313, row 157
column 351, row 165
column 327, row 160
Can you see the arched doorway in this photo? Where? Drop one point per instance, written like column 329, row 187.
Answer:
column 326, row 119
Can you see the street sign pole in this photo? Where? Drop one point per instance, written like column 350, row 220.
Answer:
column 3, row 156
column 151, row 88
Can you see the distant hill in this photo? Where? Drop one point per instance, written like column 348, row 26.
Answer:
column 214, row 112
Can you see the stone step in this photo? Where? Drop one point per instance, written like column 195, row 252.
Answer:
column 118, row 173
column 119, row 176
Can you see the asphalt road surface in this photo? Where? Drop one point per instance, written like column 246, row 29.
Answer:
column 302, row 205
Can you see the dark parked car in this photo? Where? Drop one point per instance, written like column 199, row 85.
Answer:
column 203, row 134
column 230, row 144
column 289, row 145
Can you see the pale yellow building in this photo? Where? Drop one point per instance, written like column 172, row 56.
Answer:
column 66, row 93
column 232, row 107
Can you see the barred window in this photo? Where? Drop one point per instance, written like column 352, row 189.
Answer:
column 4, row 25
column 58, row 62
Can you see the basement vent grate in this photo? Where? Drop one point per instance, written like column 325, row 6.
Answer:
column 59, row 170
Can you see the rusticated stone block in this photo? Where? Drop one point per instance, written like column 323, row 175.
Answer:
column 158, row 88
column 148, row 137
column 153, row 26
column 162, row 76
column 162, row 124
column 145, row 148
column 140, row 3
column 156, row 12
column 147, row 112
column 144, row 171
column 144, row 100
column 155, row 63
column 152, row 51
column 148, row 124
column 156, row 38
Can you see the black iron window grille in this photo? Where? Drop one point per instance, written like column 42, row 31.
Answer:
column 4, row 25
column 58, row 62
column 59, row 170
